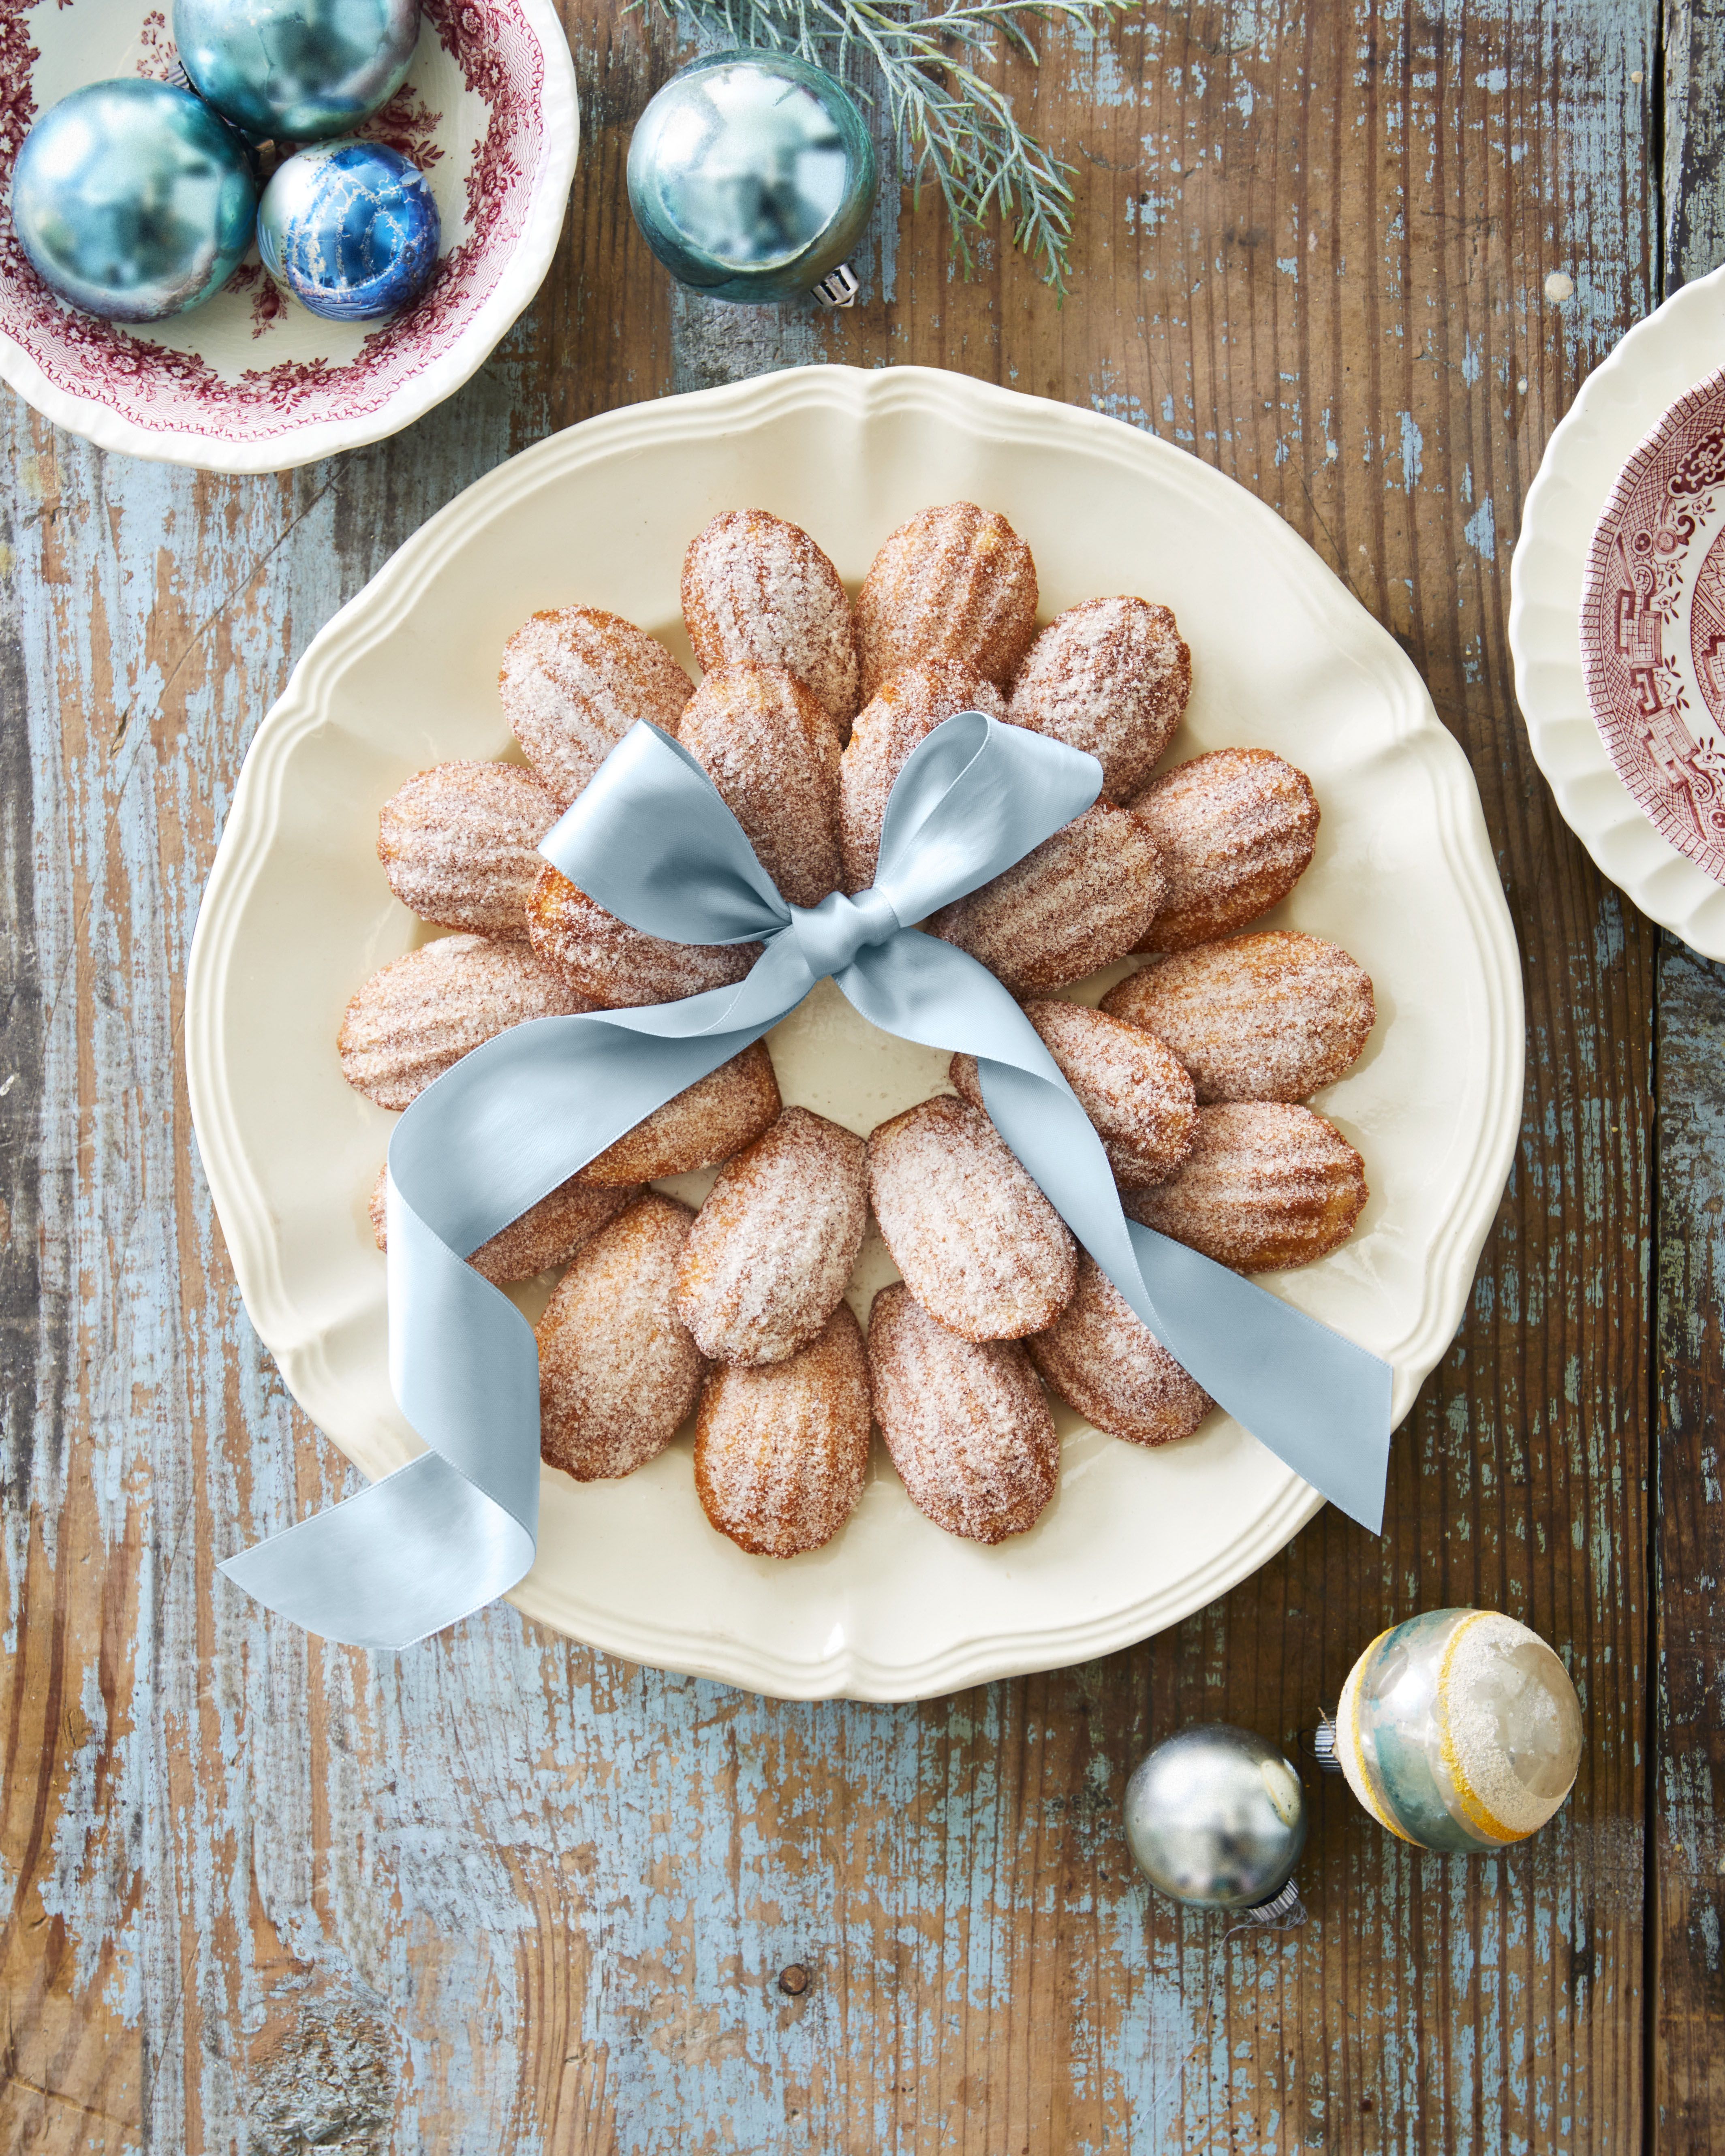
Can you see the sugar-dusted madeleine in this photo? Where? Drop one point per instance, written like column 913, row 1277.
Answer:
column 618, row 1372
column 1236, row 830
column 769, row 748
column 956, row 582
column 781, row 1449
column 1132, row 1088
column 546, row 1235
column 965, row 1421
column 1266, row 1185
column 1103, row 1362
column 767, row 1261
column 1112, row 677
column 978, row 1243
column 758, row 592
column 1082, row 898
column 705, row 1123
column 574, row 681
column 618, row 966
column 1269, row 1017
column 459, row 844
column 901, row 712
column 424, row 1011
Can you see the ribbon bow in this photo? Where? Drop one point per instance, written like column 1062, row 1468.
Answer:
column 651, row 840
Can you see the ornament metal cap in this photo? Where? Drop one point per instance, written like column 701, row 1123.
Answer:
column 838, row 288
column 1321, row 1743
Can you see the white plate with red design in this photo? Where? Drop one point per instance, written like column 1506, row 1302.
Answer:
column 252, row 382
column 1617, row 615
column 297, row 914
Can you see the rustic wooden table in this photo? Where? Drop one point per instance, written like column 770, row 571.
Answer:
column 507, row 1894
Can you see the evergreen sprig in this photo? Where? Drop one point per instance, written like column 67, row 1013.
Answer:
column 955, row 128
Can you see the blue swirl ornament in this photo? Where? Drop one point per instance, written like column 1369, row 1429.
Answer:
column 751, row 176
column 296, row 71
column 350, row 229
column 132, row 200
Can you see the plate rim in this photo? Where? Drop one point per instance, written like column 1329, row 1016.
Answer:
column 858, row 394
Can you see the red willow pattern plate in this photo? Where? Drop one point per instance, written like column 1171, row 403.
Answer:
column 1653, row 625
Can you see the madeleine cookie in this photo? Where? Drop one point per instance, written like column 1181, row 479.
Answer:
column 546, row 1235
column 900, row 713
column 1236, row 830
column 965, row 1421
column 617, row 1372
column 1133, row 1089
column 574, row 681
column 424, row 1012
column 766, row 1263
column 1082, row 898
column 1103, row 1362
column 980, row 1245
column 618, row 966
column 710, row 1119
column 459, row 844
column 781, row 1449
column 955, row 583
column 1111, row 677
column 1266, row 1185
column 769, row 748
column 1269, row 1017
column 758, row 592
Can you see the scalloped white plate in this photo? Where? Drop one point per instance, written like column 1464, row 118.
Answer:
column 297, row 914
column 1677, row 345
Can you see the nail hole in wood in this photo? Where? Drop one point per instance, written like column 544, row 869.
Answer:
column 793, row 1981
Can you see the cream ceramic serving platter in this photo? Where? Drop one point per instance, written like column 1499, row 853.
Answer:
column 297, row 914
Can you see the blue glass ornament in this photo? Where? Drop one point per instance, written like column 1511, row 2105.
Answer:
column 132, row 200
column 350, row 229
column 1216, row 1817
column 296, row 71
column 751, row 176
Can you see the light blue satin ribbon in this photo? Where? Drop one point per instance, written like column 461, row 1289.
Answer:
column 651, row 841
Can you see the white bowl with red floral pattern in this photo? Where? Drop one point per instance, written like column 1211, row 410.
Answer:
column 251, row 381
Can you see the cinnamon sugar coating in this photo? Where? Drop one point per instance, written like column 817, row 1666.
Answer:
column 1236, row 830
column 1113, row 1370
column 705, row 1123
column 768, row 745
column 618, row 966
column 574, row 681
column 901, row 712
column 1132, row 1088
column 1269, row 1017
column 546, row 1235
column 1112, row 677
column 459, row 844
column 980, row 1245
column 1266, row 1185
column 767, row 1262
column 1081, row 899
column 956, row 582
column 781, row 1449
column 618, row 1373
column 758, row 592
column 424, row 1011
column 965, row 1421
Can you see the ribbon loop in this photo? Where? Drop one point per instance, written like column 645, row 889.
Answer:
column 830, row 934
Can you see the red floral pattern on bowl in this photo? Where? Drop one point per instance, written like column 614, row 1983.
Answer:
column 1653, row 625
column 252, row 382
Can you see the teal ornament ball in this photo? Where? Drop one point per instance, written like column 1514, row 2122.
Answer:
column 1216, row 1817
column 296, row 71
column 751, row 176
column 1459, row 1730
column 132, row 200
column 350, row 229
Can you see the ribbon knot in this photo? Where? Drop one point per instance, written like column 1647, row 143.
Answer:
column 830, row 934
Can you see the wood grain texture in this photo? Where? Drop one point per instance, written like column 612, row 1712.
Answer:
column 505, row 1893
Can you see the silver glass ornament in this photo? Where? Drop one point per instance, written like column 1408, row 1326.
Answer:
column 350, row 229
column 751, row 176
column 296, row 71
column 132, row 200
column 1216, row 1816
